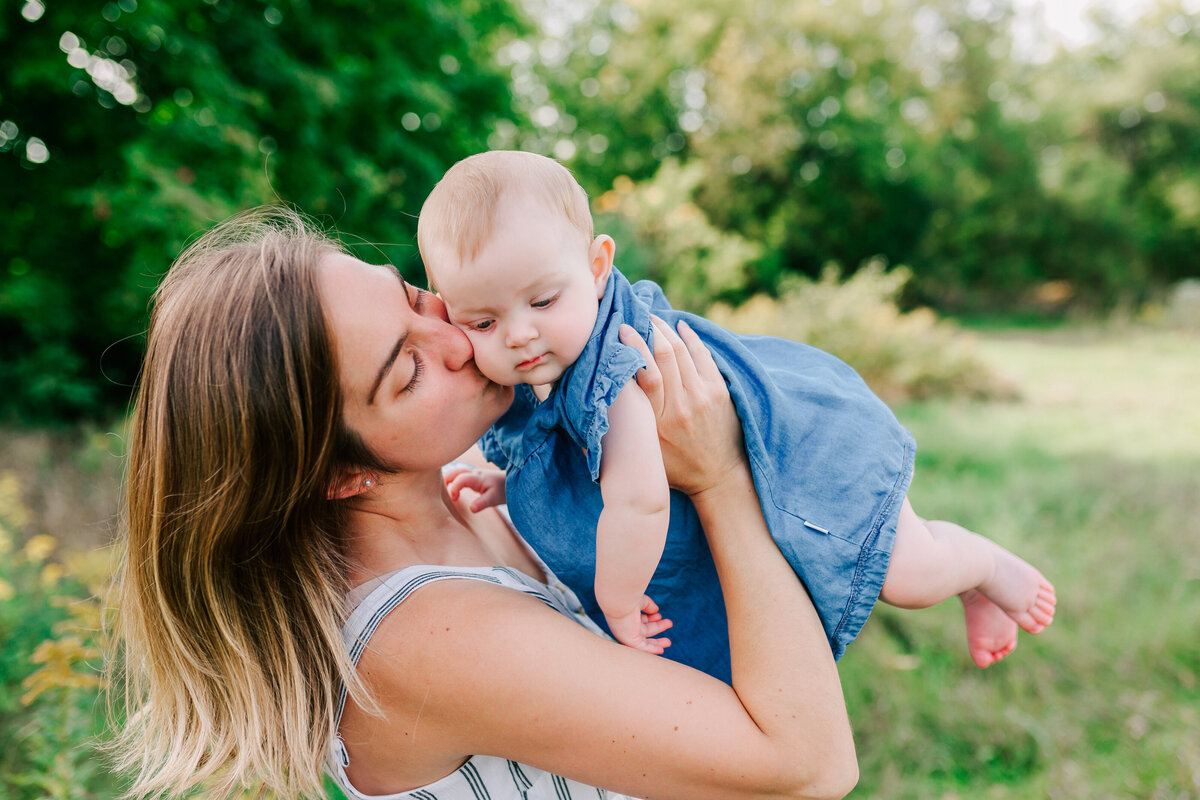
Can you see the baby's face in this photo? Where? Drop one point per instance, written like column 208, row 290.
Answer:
column 528, row 301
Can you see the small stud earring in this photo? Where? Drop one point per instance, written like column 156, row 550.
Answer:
column 368, row 483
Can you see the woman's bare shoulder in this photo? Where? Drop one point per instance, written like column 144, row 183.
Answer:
column 446, row 620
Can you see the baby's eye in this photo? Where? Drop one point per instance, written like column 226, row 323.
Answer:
column 544, row 303
column 483, row 325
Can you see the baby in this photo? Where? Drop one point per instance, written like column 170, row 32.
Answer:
column 508, row 243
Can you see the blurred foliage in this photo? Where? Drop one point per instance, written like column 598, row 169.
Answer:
column 914, row 130
column 671, row 240
column 902, row 355
column 50, row 622
column 729, row 147
column 128, row 127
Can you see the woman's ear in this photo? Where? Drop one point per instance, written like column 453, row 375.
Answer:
column 600, row 261
column 349, row 483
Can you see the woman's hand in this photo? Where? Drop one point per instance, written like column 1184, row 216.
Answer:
column 698, row 428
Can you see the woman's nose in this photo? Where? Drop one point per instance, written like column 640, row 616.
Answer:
column 449, row 344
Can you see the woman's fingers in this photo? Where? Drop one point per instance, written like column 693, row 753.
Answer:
column 678, row 353
column 649, row 379
column 702, row 359
column 666, row 357
column 675, row 365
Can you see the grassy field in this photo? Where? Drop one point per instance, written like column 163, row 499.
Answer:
column 1092, row 473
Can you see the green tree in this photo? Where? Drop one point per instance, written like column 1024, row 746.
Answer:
column 914, row 130
column 126, row 128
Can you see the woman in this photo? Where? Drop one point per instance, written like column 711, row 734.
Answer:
column 295, row 410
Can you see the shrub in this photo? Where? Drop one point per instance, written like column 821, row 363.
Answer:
column 663, row 235
column 50, row 665
column 902, row 355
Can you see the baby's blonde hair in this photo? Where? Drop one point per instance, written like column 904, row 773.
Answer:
column 459, row 215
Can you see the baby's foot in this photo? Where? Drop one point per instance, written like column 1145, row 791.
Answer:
column 991, row 632
column 1020, row 591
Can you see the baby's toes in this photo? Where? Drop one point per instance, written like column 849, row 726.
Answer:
column 1043, row 607
column 1028, row 622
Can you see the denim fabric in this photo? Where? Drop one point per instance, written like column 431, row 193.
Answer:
column 830, row 461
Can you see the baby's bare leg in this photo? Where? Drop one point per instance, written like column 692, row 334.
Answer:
column 934, row 560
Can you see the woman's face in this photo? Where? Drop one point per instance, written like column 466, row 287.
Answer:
column 409, row 382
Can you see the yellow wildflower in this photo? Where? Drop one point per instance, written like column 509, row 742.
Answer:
column 39, row 547
column 13, row 513
column 51, row 574
column 57, row 659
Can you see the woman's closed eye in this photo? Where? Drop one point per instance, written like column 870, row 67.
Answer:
column 415, row 301
column 418, row 371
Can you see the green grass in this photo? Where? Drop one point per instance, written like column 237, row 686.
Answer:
column 1091, row 473
column 1093, row 476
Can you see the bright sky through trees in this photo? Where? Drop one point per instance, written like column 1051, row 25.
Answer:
column 1044, row 24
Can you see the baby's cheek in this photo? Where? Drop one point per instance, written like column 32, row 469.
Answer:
column 486, row 358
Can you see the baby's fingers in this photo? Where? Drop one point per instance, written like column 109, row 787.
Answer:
column 655, row 646
column 467, row 479
column 453, row 472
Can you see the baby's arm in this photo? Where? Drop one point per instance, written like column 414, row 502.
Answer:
column 632, row 528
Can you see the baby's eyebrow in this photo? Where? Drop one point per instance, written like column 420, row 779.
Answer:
column 459, row 310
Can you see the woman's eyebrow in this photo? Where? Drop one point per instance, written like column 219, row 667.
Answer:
column 391, row 359
column 387, row 365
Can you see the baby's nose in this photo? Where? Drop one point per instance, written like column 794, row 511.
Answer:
column 521, row 334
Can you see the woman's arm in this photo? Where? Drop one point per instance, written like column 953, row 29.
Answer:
column 500, row 673
column 632, row 527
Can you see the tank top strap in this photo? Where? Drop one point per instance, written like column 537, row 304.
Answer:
column 370, row 604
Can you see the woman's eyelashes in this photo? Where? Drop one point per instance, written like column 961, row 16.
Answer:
column 415, row 296
column 418, row 370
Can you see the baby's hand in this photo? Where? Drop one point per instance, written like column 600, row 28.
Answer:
column 488, row 483
column 634, row 628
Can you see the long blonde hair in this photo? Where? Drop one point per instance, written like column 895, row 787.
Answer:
column 232, row 582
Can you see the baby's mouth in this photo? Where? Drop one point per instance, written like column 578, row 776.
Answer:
column 531, row 362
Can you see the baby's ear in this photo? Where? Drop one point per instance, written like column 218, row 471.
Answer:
column 600, row 257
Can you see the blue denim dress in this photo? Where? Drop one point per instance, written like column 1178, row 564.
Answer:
column 830, row 462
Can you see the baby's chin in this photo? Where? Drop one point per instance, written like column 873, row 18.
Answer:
column 538, row 377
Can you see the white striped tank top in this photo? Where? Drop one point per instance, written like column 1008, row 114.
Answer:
column 481, row 777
